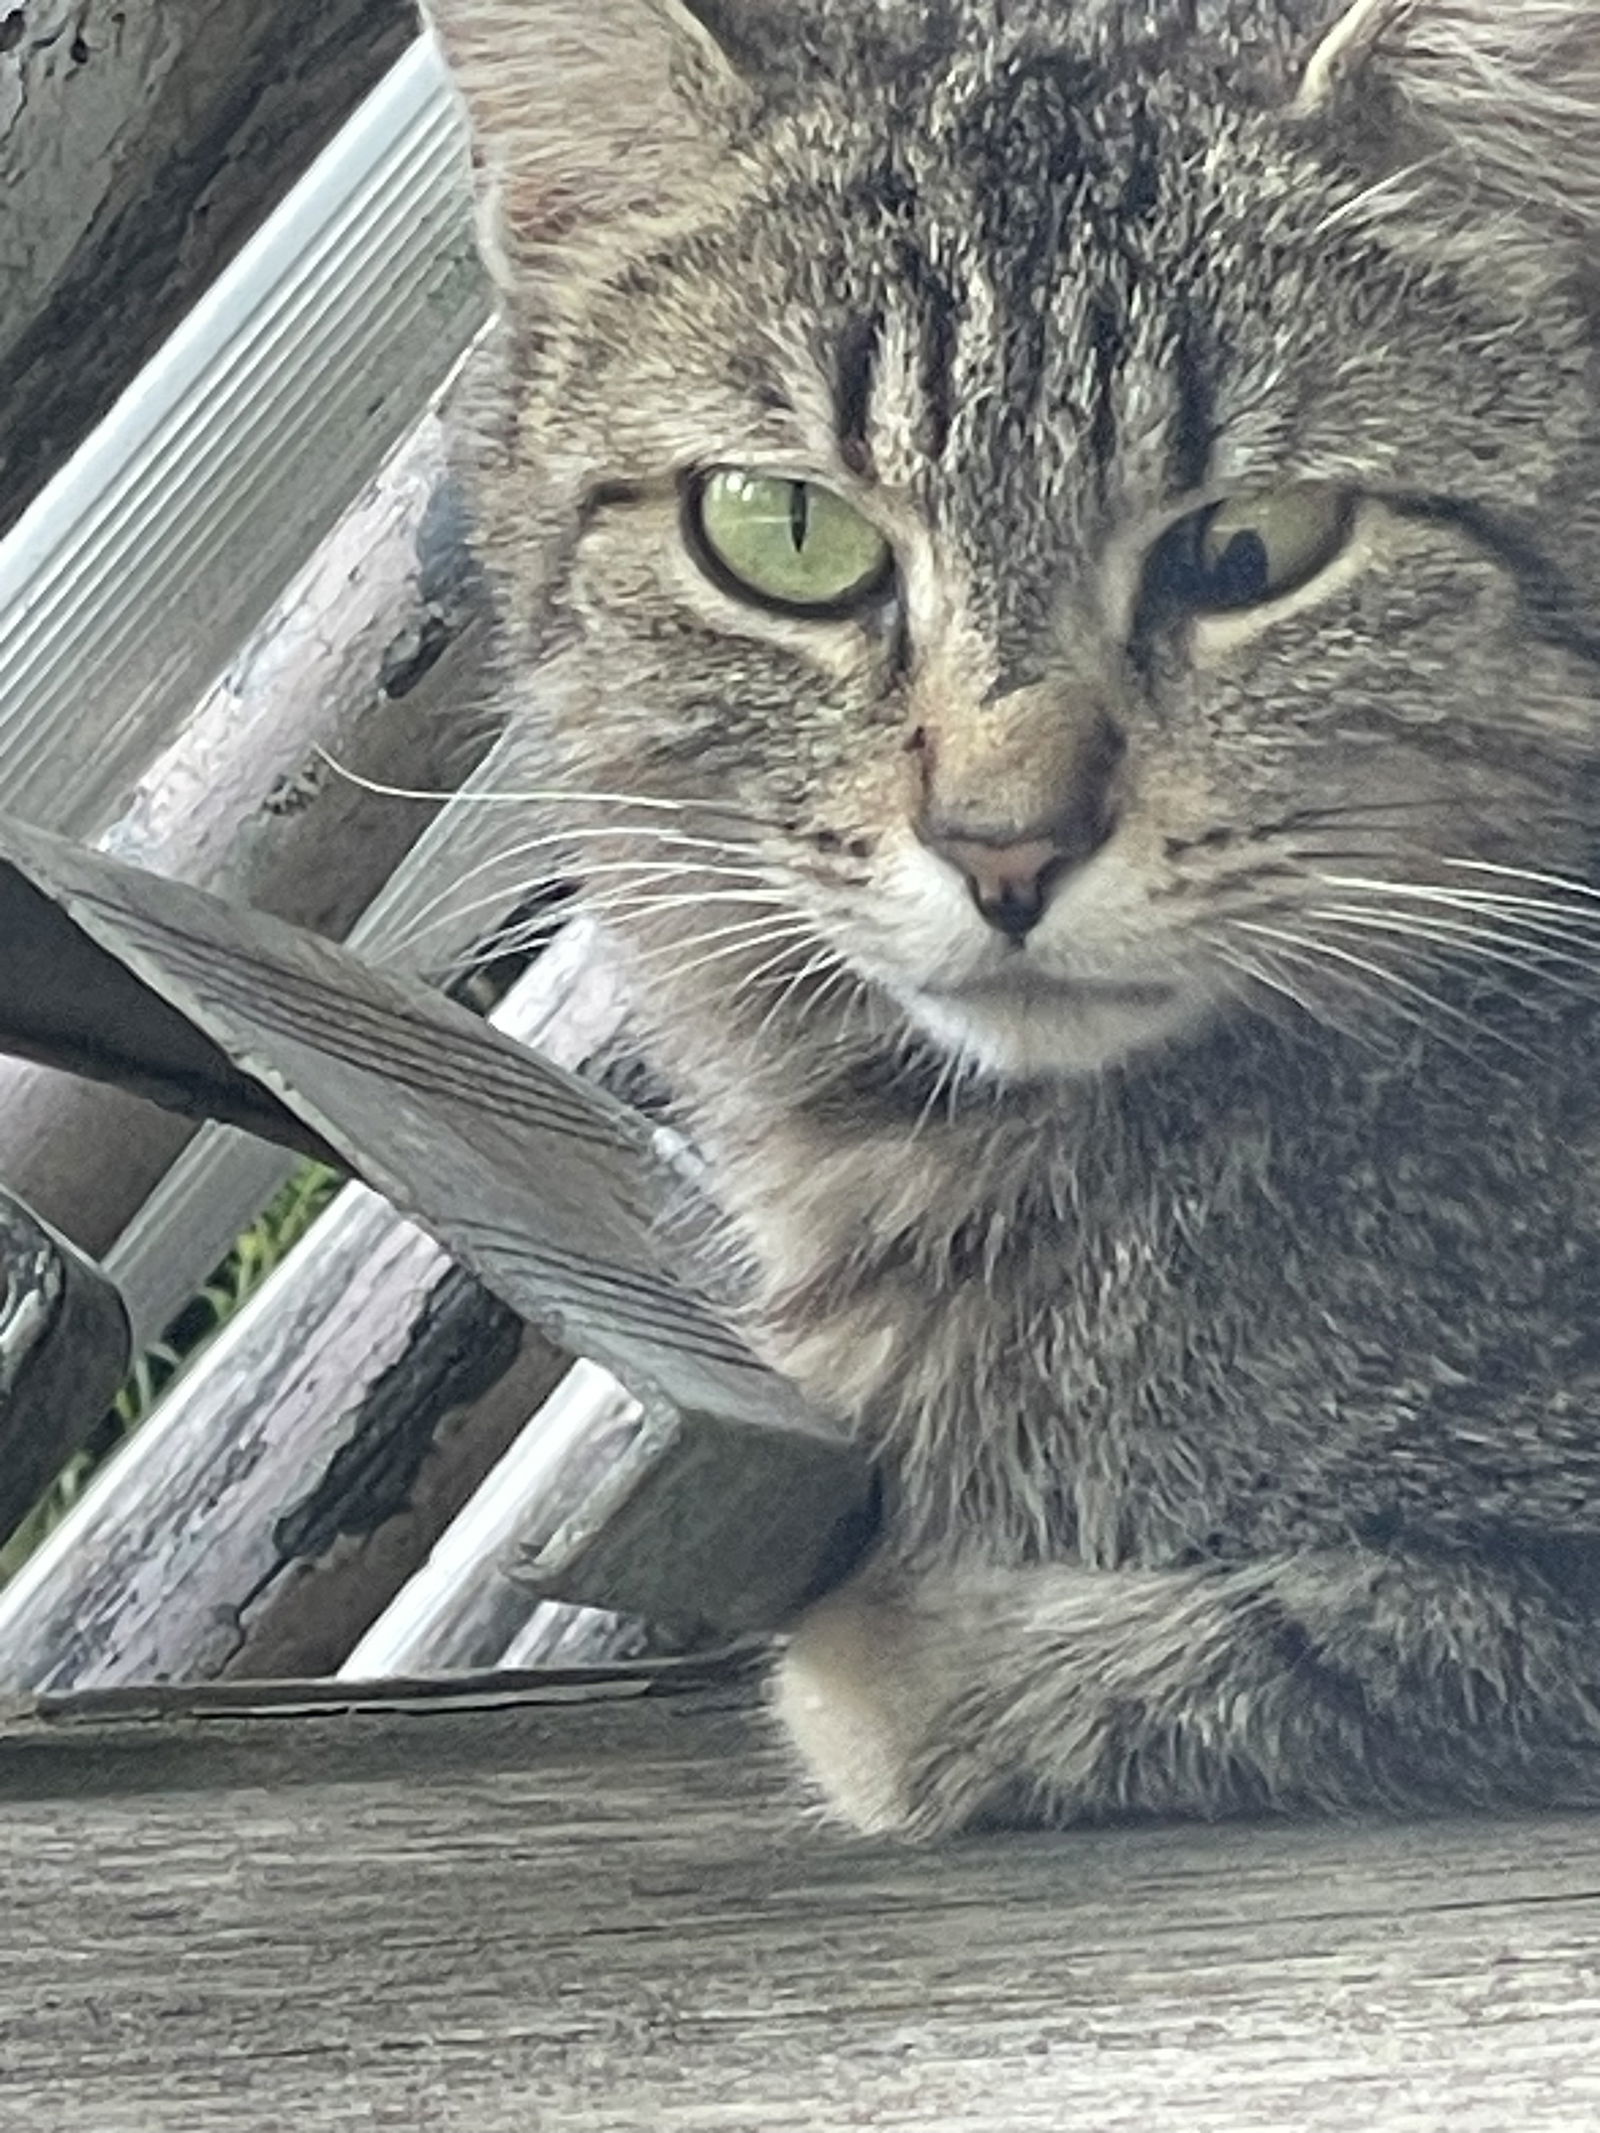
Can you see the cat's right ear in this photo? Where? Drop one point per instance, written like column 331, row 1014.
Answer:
column 585, row 110
column 1497, row 99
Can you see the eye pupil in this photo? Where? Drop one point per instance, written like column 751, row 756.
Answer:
column 1242, row 573
column 1247, row 551
column 799, row 514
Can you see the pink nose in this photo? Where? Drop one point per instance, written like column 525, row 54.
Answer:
column 1010, row 882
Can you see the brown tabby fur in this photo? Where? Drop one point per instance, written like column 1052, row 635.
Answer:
column 1215, row 1267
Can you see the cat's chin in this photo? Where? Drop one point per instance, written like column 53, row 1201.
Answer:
column 1034, row 1032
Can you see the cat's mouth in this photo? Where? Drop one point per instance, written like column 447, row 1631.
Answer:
column 1026, row 985
column 1024, row 1022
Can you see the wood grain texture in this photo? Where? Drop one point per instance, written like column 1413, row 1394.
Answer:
column 736, row 1503
column 139, row 147
column 612, row 1916
column 372, row 654
column 65, row 1003
column 276, row 1501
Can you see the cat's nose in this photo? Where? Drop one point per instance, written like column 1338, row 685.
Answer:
column 980, row 809
column 1010, row 877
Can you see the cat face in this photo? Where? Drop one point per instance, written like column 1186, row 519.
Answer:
column 1046, row 547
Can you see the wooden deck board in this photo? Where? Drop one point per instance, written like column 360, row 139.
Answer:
column 591, row 1918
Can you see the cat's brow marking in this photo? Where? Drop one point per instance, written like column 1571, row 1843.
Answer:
column 1194, row 426
column 940, row 311
column 856, row 365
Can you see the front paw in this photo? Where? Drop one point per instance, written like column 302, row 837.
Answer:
column 864, row 1690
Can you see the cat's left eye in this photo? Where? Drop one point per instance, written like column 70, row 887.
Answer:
column 1250, row 549
column 787, row 544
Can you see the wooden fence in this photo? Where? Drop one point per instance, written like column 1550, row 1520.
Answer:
column 251, row 562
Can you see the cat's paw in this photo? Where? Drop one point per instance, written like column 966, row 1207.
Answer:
column 861, row 1691
column 839, row 1692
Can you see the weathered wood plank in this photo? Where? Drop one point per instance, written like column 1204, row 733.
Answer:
column 137, row 575
column 68, row 1004
column 139, row 146
column 375, row 653
column 613, row 1916
column 338, row 1385
column 549, row 1189
column 372, row 655
column 251, row 1526
column 467, row 1604
column 733, row 1503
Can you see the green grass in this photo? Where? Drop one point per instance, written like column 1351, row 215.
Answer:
column 264, row 1246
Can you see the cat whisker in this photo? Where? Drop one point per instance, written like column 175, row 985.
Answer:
column 620, row 905
column 1466, row 897
column 1257, row 970
column 743, row 939
column 776, row 971
column 439, row 911
column 623, row 871
column 519, row 932
column 543, row 796
column 1568, row 885
column 1428, row 1012
column 1474, row 941
column 1528, row 916
column 825, row 960
column 1354, row 811
column 1391, row 194
column 620, row 897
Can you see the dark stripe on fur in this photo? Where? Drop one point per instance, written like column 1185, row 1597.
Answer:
column 854, row 370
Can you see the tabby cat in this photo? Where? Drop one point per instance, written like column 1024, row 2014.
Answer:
column 1050, row 563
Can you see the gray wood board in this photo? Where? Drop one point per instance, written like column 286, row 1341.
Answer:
column 65, row 1003
column 286, row 1488
column 336, row 1385
column 139, row 147
column 241, row 804
column 546, row 1189
column 612, row 1912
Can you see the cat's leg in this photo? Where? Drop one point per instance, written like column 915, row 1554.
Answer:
column 1333, row 1680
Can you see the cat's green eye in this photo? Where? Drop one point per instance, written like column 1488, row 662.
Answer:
column 788, row 544
column 1252, row 548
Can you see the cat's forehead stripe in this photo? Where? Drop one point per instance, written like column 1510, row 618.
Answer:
column 855, row 364
column 1194, row 426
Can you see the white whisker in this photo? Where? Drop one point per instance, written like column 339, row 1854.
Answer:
column 1484, row 943
column 532, row 796
column 819, row 962
column 439, row 911
column 1315, row 949
column 1564, row 882
column 1263, row 970
column 1531, row 913
column 796, row 931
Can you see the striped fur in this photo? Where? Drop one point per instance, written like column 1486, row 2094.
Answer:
column 1216, row 1274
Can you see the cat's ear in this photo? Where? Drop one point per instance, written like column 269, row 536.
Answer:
column 582, row 110
column 1499, row 96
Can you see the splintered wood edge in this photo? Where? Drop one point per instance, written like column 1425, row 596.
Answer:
column 187, row 1709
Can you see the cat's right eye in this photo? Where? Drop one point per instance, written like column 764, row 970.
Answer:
column 787, row 544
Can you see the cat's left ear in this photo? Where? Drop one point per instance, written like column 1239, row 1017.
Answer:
column 583, row 111
column 1498, row 97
